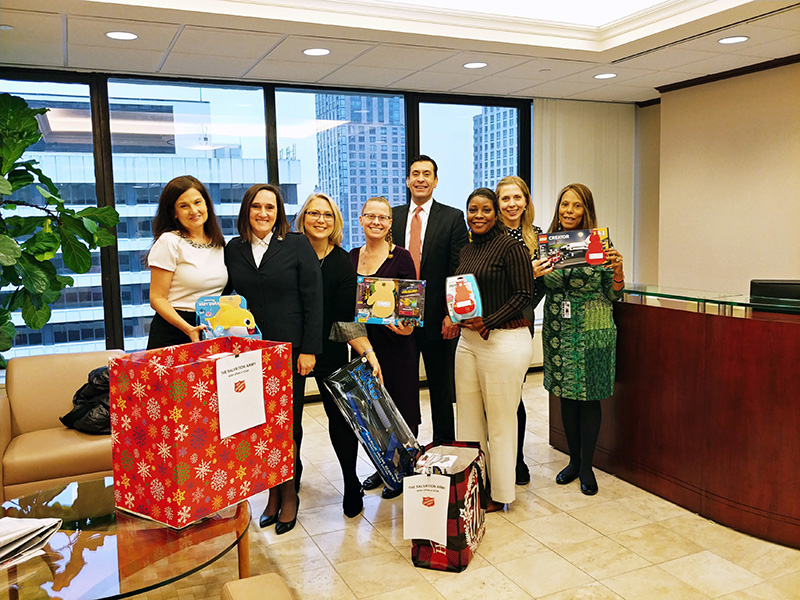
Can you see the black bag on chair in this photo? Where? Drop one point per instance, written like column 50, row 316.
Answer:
column 90, row 411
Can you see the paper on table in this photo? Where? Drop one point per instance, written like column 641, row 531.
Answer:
column 240, row 392
column 425, row 499
column 21, row 539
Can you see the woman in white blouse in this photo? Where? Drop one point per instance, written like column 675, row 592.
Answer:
column 186, row 261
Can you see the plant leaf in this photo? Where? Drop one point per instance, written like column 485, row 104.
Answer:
column 9, row 250
column 18, row 129
column 43, row 245
column 77, row 257
column 7, row 331
column 23, row 226
column 34, row 277
column 105, row 216
column 19, row 178
column 5, row 187
column 34, row 317
column 74, row 226
column 104, row 237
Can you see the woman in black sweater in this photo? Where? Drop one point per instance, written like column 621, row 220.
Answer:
column 321, row 222
column 495, row 350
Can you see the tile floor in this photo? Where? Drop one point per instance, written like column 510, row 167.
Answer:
column 553, row 543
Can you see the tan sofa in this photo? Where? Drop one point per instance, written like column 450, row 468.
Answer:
column 36, row 451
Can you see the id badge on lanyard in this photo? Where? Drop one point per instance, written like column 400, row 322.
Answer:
column 566, row 305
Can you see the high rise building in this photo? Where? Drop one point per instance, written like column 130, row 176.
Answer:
column 494, row 143
column 360, row 154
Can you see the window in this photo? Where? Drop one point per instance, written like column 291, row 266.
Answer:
column 325, row 154
column 460, row 138
column 161, row 131
column 65, row 154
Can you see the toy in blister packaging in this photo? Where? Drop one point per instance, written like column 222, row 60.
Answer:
column 577, row 248
column 373, row 416
column 383, row 301
column 225, row 316
column 463, row 297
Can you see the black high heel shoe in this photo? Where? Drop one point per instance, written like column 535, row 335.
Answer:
column 282, row 527
column 372, row 482
column 353, row 502
column 266, row 520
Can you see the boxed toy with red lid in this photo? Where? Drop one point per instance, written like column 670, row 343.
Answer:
column 575, row 248
column 171, row 461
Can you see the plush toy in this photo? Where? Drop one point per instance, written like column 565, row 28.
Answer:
column 464, row 302
column 382, row 299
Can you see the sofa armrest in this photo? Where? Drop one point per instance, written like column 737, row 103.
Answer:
column 5, row 437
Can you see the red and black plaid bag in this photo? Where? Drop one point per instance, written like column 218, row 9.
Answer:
column 466, row 512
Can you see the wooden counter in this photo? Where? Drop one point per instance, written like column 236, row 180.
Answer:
column 706, row 413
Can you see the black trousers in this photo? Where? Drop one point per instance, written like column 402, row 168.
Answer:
column 439, row 358
column 162, row 334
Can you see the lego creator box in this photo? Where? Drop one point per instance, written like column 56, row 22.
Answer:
column 576, row 248
column 169, row 461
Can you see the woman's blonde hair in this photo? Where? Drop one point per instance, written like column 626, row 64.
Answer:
column 335, row 237
column 528, row 235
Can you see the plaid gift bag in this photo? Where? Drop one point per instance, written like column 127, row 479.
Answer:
column 466, row 512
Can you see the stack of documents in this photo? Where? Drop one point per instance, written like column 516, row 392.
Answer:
column 21, row 539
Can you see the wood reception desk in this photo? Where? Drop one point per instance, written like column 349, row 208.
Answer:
column 706, row 413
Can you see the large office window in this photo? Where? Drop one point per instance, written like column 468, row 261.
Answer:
column 349, row 146
column 65, row 154
column 473, row 146
column 163, row 130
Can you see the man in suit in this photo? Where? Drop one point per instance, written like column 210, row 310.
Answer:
column 434, row 234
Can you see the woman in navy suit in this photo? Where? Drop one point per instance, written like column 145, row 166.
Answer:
column 278, row 273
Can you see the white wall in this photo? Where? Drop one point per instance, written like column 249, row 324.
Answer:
column 730, row 182
column 645, row 233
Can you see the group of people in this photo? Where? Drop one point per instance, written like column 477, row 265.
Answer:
column 301, row 285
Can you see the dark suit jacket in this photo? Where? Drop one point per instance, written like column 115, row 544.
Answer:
column 445, row 235
column 284, row 293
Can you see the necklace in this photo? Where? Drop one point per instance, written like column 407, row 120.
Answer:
column 194, row 244
column 324, row 256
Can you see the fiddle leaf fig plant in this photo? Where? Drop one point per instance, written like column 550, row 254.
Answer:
column 34, row 228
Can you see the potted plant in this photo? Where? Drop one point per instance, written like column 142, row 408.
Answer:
column 29, row 241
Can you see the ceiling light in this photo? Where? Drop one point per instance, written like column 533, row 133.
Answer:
column 475, row 65
column 121, row 35
column 5, row 27
column 605, row 76
column 316, row 51
column 735, row 39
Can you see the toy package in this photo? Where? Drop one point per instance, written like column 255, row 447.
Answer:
column 374, row 418
column 225, row 316
column 578, row 248
column 463, row 297
column 383, row 301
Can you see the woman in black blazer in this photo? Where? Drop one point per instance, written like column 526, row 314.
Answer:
column 278, row 273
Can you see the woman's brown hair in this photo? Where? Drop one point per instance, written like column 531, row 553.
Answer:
column 281, row 227
column 165, row 219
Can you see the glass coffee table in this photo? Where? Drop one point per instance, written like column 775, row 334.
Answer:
column 100, row 552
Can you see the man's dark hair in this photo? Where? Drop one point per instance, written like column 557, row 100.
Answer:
column 424, row 158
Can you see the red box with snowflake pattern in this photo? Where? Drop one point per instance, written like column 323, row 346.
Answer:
column 169, row 462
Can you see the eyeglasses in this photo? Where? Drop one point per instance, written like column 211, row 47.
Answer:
column 315, row 215
column 381, row 218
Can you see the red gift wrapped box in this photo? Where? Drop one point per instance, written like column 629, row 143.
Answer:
column 169, row 462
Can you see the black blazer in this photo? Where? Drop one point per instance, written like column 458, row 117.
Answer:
column 284, row 293
column 445, row 235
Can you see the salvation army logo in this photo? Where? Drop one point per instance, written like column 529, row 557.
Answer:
column 428, row 501
column 238, row 386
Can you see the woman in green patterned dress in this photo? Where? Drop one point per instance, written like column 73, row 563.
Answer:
column 579, row 336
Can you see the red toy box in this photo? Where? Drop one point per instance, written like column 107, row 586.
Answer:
column 169, row 462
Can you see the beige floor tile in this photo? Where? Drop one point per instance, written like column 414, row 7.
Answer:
column 702, row 531
column 543, row 573
column 589, row 591
column 379, row 574
column 323, row 519
column 352, row 543
column 602, row 557
column 711, row 574
column 421, row 591
column 568, row 497
column 558, row 530
column 376, row 509
column 301, row 552
column 651, row 583
column 528, row 506
column 392, row 532
column 609, row 517
column 654, row 508
column 317, row 583
column 656, row 543
column 762, row 591
column 763, row 558
column 504, row 541
column 789, row 585
column 480, row 584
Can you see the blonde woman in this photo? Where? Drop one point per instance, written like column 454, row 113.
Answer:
column 395, row 346
column 516, row 213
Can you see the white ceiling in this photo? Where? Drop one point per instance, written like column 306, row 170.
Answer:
column 411, row 45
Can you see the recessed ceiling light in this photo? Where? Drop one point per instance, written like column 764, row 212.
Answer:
column 735, row 39
column 475, row 65
column 605, row 76
column 5, row 27
column 121, row 35
column 316, row 51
